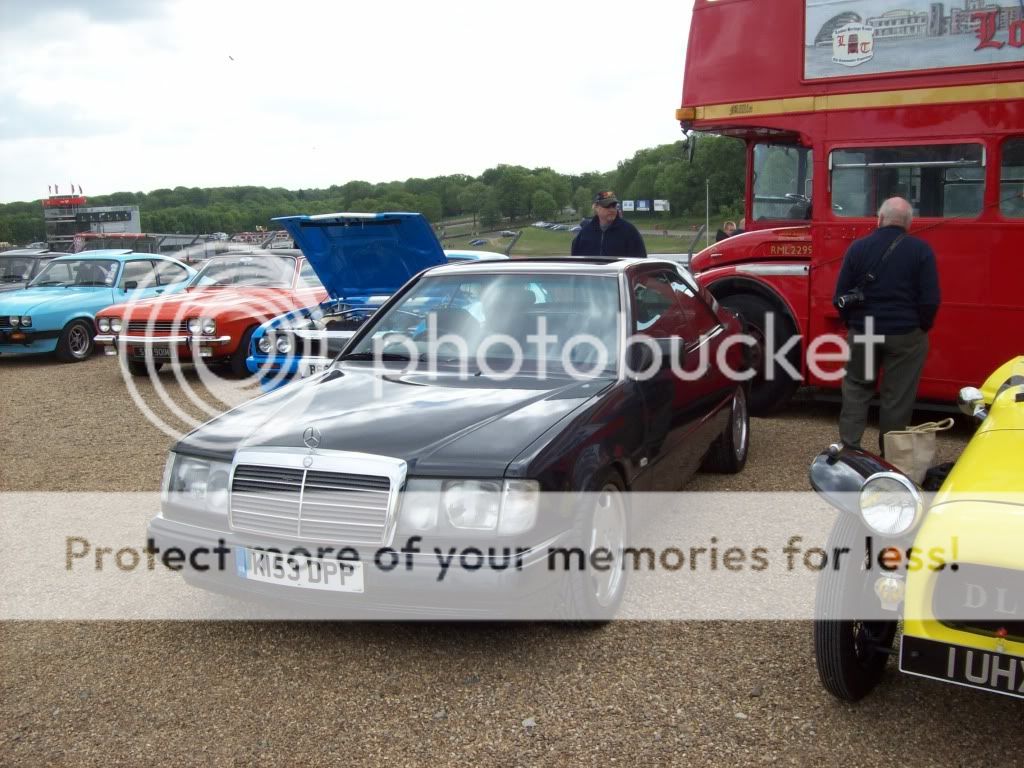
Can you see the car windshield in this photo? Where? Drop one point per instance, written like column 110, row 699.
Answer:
column 500, row 321
column 15, row 269
column 78, row 272
column 264, row 271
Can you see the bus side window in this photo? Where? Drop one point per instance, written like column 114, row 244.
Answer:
column 1011, row 179
column 942, row 180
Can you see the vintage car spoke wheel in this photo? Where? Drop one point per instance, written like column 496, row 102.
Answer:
column 850, row 654
column 729, row 451
column 75, row 342
column 591, row 597
column 766, row 395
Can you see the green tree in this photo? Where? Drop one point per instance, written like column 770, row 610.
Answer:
column 472, row 200
column 542, row 204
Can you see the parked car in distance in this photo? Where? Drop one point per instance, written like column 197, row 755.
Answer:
column 577, row 228
column 962, row 604
column 20, row 265
column 508, row 233
column 410, row 435
column 214, row 316
column 478, row 241
column 361, row 259
column 56, row 312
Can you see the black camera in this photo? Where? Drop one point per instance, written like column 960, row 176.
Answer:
column 851, row 299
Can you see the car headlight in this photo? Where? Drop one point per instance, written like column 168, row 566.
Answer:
column 14, row 320
column 520, row 500
column 472, row 504
column 209, row 325
column 284, row 345
column 265, row 345
column 198, row 484
column 505, row 506
column 26, row 321
column 890, row 504
column 194, row 325
column 104, row 324
column 420, row 504
column 115, row 324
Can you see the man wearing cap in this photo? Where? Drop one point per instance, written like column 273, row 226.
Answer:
column 608, row 234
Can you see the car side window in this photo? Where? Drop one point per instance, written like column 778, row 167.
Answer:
column 169, row 273
column 308, row 277
column 656, row 312
column 139, row 272
column 700, row 319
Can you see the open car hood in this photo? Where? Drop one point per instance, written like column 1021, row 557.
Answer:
column 361, row 254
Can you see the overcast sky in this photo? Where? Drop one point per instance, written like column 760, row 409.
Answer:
column 127, row 95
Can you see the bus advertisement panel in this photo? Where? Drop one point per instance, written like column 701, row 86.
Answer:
column 870, row 37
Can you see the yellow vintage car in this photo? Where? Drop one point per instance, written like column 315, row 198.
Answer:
column 949, row 565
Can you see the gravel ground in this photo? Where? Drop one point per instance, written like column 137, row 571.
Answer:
column 168, row 693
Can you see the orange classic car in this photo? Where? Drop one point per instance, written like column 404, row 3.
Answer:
column 215, row 316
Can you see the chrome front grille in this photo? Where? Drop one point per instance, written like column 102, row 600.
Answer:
column 310, row 504
column 156, row 326
column 5, row 321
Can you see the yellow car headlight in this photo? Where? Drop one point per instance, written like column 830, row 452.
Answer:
column 890, row 504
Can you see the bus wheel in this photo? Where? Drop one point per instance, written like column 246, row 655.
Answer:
column 767, row 394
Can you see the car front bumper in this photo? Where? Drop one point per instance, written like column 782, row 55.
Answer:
column 15, row 341
column 185, row 346
column 415, row 588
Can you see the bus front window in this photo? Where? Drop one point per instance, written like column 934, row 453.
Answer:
column 782, row 182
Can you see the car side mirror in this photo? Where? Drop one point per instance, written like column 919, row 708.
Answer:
column 131, row 285
column 972, row 402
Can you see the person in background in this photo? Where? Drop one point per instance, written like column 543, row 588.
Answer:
column 889, row 277
column 607, row 233
column 728, row 230
column 741, row 228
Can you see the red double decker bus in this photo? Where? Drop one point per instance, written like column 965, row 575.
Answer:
column 842, row 104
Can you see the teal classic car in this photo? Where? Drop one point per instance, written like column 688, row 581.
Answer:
column 56, row 312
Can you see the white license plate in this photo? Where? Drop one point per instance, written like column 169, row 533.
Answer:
column 312, row 369
column 298, row 571
column 158, row 353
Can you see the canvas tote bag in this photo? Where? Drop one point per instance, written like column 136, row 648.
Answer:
column 913, row 449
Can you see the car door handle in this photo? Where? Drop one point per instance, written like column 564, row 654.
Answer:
column 159, row 290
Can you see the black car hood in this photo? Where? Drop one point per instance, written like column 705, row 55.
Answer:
column 440, row 425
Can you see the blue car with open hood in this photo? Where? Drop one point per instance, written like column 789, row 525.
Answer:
column 361, row 258
column 56, row 312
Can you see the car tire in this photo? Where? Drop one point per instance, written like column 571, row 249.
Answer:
column 766, row 396
column 589, row 597
column 850, row 655
column 138, row 368
column 238, row 367
column 728, row 454
column 75, row 342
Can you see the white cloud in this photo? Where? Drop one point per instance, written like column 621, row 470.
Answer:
column 308, row 94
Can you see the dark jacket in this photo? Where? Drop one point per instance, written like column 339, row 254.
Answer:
column 720, row 235
column 620, row 239
column 905, row 293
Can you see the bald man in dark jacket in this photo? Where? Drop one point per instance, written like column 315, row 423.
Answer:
column 900, row 300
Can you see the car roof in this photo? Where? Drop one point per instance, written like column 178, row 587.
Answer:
column 549, row 265
column 29, row 252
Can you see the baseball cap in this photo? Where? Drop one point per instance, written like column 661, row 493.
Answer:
column 606, row 199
